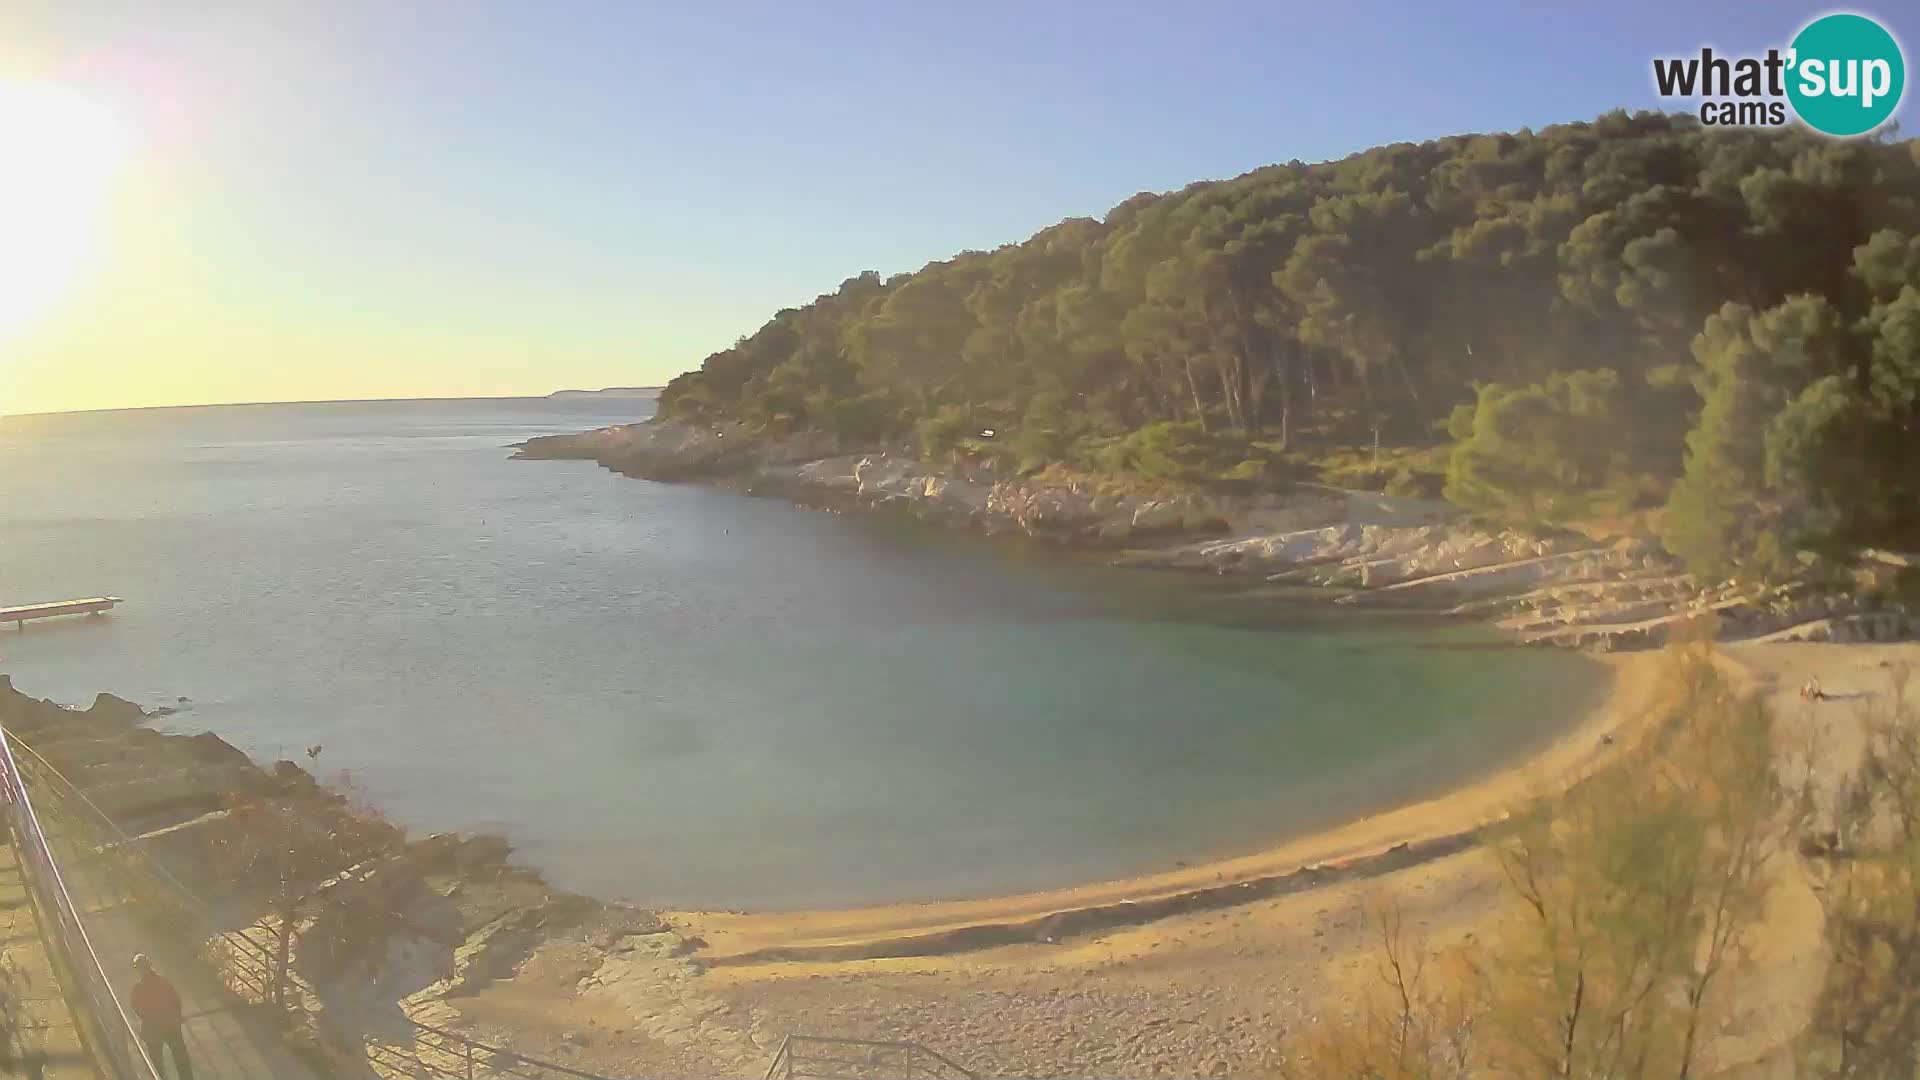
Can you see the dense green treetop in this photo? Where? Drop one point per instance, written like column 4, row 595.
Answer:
column 1638, row 314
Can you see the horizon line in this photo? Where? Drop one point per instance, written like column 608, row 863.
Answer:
column 315, row 401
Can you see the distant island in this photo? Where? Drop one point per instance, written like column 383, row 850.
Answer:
column 609, row 392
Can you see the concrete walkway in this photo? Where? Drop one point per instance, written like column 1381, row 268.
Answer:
column 37, row 1035
column 226, row 1040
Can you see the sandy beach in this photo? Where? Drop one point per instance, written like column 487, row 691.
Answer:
column 1366, row 847
column 1211, row 990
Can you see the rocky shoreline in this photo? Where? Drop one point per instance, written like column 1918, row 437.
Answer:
column 428, row 925
column 1544, row 587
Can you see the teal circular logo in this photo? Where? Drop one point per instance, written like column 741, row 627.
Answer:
column 1846, row 74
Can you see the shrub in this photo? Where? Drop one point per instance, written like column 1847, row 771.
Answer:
column 1182, row 453
column 1547, row 451
column 943, row 433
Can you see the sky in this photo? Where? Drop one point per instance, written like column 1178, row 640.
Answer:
column 271, row 201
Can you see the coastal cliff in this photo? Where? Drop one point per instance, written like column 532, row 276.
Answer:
column 1548, row 587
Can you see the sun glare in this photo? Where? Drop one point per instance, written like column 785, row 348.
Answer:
column 59, row 156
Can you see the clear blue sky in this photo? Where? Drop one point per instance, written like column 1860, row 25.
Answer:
column 496, row 197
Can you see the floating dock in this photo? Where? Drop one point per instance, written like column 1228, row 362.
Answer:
column 92, row 605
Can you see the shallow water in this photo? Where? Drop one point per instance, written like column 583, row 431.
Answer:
column 676, row 695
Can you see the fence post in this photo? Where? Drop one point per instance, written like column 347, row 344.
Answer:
column 282, row 946
column 469, row 1048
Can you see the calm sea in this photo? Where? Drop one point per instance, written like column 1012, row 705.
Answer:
column 677, row 695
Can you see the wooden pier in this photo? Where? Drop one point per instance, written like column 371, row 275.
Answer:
column 92, row 605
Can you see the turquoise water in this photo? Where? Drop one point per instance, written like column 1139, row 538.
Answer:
column 676, row 695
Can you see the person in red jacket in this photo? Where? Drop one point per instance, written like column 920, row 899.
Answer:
column 157, row 1004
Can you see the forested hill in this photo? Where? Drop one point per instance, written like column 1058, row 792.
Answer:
column 1716, row 330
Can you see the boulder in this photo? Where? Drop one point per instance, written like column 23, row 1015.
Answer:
column 117, row 711
column 211, row 749
column 1159, row 516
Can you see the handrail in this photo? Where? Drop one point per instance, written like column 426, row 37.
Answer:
column 790, row 1062
column 779, row 1055
column 72, row 793
column 496, row 1054
column 469, row 1053
column 115, row 1038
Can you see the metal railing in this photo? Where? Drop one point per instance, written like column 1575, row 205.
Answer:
column 252, row 962
column 818, row 1057
column 101, row 1019
column 435, row 1052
